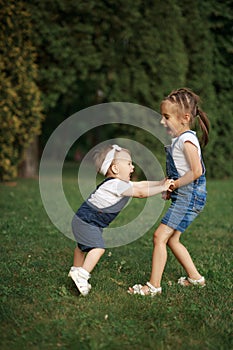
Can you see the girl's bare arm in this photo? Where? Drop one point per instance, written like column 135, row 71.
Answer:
column 193, row 159
column 143, row 189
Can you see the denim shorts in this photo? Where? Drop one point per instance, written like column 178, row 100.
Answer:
column 185, row 207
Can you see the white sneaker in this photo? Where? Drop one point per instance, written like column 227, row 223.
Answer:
column 81, row 282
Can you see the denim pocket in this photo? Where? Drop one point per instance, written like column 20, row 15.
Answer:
column 199, row 202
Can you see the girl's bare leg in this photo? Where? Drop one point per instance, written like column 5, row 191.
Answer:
column 92, row 258
column 159, row 257
column 183, row 256
column 79, row 257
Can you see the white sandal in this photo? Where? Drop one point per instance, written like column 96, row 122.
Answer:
column 81, row 283
column 200, row 282
column 137, row 289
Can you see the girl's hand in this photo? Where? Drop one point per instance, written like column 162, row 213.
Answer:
column 172, row 185
column 166, row 195
column 169, row 185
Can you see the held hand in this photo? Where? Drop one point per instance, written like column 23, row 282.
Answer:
column 172, row 187
column 169, row 185
column 166, row 195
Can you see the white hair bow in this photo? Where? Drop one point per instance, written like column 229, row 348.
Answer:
column 109, row 158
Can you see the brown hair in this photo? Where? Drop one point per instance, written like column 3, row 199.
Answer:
column 100, row 154
column 188, row 101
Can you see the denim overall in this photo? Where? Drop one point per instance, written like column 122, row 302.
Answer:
column 89, row 221
column 187, row 201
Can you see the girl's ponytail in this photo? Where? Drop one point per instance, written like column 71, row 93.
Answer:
column 204, row 126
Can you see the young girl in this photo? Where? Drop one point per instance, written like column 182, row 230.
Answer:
column 101, row 208
column 184, row 164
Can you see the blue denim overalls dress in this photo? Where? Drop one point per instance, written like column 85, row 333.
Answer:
column 89, row 221
column 187, row 201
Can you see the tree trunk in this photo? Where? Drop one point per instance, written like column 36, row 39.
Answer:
column 29, row 166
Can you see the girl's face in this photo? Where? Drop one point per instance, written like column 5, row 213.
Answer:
column 175, row 123
column 123, row 167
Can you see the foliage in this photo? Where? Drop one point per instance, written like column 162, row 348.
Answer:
column 129, row 51
column 102, row 57
column 20, row 106
column 91, row 52
column 41, row 308
column 220, row 17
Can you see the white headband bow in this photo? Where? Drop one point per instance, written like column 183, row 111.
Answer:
column 109, row 158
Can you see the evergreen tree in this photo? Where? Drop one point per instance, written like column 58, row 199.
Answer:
column 199, row 45
column 220, row 17
column 20, row 107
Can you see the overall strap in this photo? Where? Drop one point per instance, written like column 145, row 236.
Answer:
column 202, row 163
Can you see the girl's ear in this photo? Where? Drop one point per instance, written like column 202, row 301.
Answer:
column 114, row 169
column 186, row 119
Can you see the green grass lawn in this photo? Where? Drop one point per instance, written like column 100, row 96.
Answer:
column 41, row 308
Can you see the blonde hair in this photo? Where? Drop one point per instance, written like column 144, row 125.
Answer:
column 99, row 156
column 188, row 102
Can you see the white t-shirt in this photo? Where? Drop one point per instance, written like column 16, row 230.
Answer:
column 109, row 193
column 181, row 163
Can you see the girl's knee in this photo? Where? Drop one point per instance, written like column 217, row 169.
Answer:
column 162, row 234
column 155, row 237
column 173, row 240
column 158, row 238
column 170, row 242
